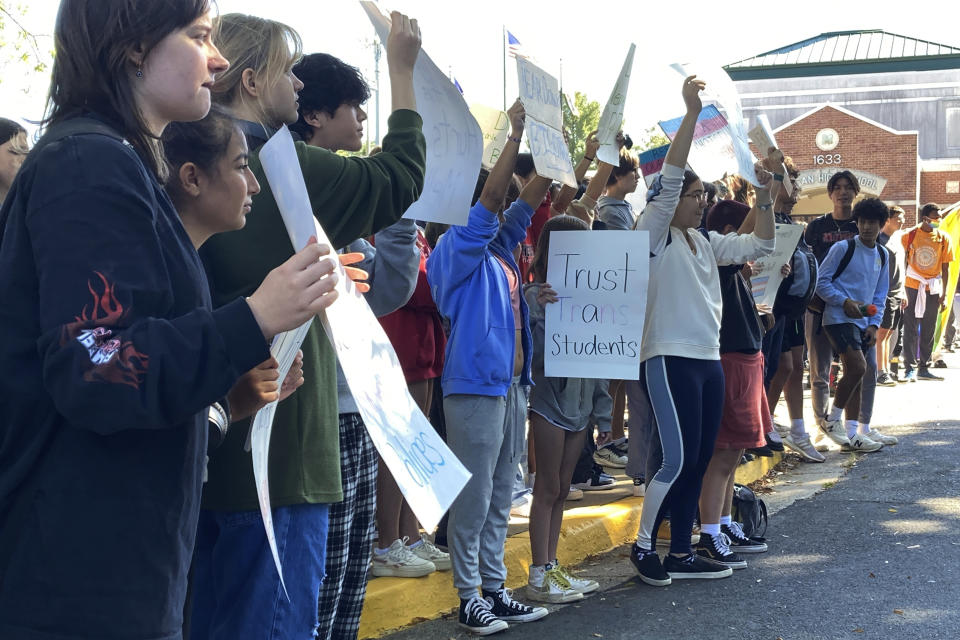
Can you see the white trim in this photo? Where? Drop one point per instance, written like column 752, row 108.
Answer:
column 938, row 165
column 857, row 89
column 847, row 112
column 800, row 105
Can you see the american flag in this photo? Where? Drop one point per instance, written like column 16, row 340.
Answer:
column 515, row 48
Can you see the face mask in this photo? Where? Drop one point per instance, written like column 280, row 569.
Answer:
column 933, row 224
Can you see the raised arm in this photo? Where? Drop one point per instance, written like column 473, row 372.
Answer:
column 565, row 197
column 495, row 187
column 403, row 47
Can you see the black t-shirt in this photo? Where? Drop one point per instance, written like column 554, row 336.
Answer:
column 740, row 328
column 825, row 231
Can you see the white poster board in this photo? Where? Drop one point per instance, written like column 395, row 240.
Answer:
column 540, row 95
column 612, row 116
column 762, row 138
column 454, row 140
column 495, row 127
column 767, row 276
column 595, row 328
column 428, row 474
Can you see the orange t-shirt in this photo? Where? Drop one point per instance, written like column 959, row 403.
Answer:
column 926, row 253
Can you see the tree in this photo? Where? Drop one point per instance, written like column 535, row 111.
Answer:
column 651, row 139
column 577, row 126
column 17, row 42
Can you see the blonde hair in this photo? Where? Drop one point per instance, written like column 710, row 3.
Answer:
column 268, row 47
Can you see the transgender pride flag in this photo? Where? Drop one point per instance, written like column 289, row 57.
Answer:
column 651, row 161
column 711, row 154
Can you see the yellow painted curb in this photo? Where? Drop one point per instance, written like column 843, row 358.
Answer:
column 392, row 603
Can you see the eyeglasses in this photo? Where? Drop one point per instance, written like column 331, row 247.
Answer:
column 696, row 195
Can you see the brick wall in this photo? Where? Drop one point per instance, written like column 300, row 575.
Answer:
column 933, row 187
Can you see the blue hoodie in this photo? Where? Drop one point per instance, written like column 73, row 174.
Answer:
column 471, row 289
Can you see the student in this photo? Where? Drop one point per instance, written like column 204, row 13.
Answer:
column 331, row 117
column 13, row 149
column 612, row 207
column 851, row 330
column 892, row 322
column 560, row 409
column 117, row 352
column 351, row 198
column 476, row 284
column 680, row 353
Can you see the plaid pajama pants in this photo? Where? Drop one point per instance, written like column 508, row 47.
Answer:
column 350, row 534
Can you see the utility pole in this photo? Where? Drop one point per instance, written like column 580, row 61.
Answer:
column 376, row 76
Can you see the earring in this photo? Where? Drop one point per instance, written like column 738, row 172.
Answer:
column 139, row 72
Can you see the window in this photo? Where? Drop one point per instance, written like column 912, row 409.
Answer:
column 953, row 127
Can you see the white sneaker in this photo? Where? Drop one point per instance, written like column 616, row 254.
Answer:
column 520, row 507
column 608, row 457
column 876, row 436
column 862, row 444
column 574, row 494
column 804, row 447
column 552, row 588
column 582, row 585
column 429, row 551
column 835, row 430
column 400, row 562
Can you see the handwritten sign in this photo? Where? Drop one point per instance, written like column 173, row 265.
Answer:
column 595, row 328
column 428, row 474
column 495, row 127
column 712, row 152
column 540, row 95
column 454, row 139
column 767, row 276
column 762, row 138
column 612, row 116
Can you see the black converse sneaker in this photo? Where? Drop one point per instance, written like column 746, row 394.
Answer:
column 718, row 548
column 506, row 608
column 694, row 566
column 476, row 618
column 739, row 542
column 647, row 563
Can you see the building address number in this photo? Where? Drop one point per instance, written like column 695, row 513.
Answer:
column 828, row 158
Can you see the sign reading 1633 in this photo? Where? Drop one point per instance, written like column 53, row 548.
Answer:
column 828, row 158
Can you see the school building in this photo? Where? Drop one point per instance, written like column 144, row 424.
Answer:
column 884, row 106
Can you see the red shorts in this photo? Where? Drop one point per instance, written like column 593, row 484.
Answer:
column 746, row 416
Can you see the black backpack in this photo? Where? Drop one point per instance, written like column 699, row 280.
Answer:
column 750, row 511
column 817, row 304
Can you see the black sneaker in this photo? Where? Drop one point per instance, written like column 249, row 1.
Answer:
column 763, row 452
column 648, row 566
column 884, row 379
column 925, row 374
column 695, row 567
column 475, row 617
column 506, row 608
column 739, row 542
column 940, row 364
column 774, row 445
column 718, row 548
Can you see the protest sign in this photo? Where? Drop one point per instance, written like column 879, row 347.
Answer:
column 651, row 163
column 540, row 95
column 720, row 89
column 495, row 127
column 595, row 328
column 712, row 153
column 428, row 474
column 454, row 140
column 612, row 116
column 762, row 138
column 767, row 276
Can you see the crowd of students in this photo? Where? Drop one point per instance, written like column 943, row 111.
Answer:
column 150, row 268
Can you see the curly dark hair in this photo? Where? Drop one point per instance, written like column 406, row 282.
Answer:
column 328, row 83
column 871, row 209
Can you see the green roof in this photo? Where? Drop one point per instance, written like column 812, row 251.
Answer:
column 847, row 52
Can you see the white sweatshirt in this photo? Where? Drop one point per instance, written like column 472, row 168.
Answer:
column 683, row 296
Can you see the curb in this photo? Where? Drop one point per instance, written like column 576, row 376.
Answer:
column 392, row 603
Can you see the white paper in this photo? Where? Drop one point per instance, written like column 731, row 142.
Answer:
column 767, row 276
column 762, row 138
column 427, row 472
column 612, row 116
column 551, row 157
column 495, row 127
column 596, row 328
column 454, row 140
column 722, row 90
column 540, row 94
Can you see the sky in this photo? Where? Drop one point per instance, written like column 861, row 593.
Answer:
column 465, row 40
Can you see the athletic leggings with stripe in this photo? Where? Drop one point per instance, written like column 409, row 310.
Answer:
column 687, row 400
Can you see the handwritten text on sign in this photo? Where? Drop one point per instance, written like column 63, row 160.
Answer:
column 540, row 93
column 595, row 328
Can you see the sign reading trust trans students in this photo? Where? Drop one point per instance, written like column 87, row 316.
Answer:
column 595, row 328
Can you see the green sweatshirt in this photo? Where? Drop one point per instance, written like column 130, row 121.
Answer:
column 352, row 198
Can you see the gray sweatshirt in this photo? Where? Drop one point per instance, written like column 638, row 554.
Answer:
column 567, row 403
column 616, row 213
column 393, row 265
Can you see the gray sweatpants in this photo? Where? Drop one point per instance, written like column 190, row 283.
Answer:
column 486, row 433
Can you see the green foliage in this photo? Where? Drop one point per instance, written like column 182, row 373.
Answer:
column 18, row 45
column 578, row 126
column 650, row 139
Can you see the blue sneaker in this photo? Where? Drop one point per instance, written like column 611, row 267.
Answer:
column 910, row 375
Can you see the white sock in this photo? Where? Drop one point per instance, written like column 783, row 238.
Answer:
column 710, row 529
column 851, row 428
column 797, row 429
column 835, row 412
column 864, row 428
column 537, row 572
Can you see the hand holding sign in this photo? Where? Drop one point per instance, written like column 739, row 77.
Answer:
column 692, row 86
column 517, row 116
column 403, row 44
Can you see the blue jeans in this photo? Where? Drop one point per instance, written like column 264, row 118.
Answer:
column 236, row 589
